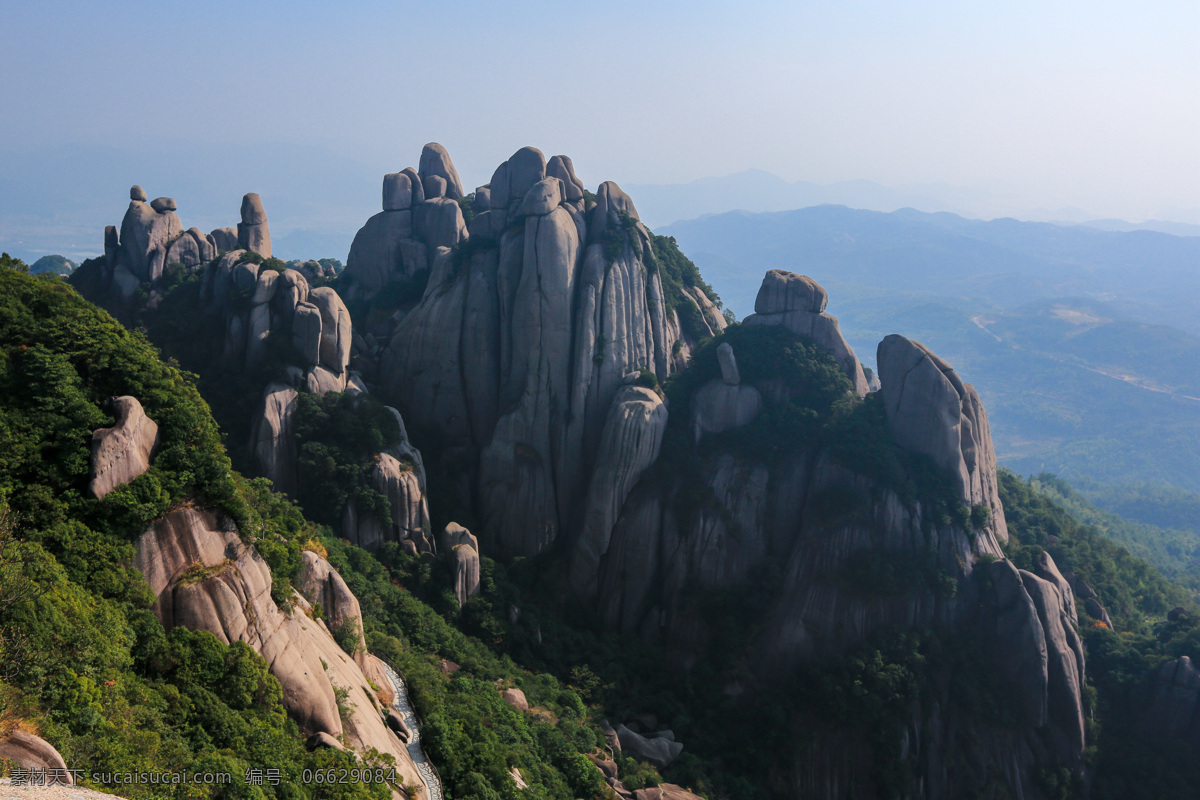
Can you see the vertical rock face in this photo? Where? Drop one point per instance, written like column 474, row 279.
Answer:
column 797, row 302
column 522, row 340
column 122, row 452
column 461, row 548
column 273, row 443
column 1170, row 702
column 931, row 411
column 205, row 578
column 629, row 444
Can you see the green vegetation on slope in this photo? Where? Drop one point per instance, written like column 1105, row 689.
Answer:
column 101, row 679
column 98, row 675
column 1126, row 762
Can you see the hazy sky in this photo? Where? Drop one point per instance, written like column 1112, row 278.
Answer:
column 1088, row 104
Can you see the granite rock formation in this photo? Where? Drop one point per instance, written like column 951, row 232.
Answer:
column 122, row 452
column 529, row 325
column 797, row 302
column 205, row 578
column 931, row 411
column 32, row 752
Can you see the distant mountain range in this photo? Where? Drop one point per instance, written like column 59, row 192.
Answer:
column 755, row 190
column 1084, row 344
column 1147, row 275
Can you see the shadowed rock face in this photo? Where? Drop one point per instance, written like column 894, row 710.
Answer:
column 122, row 452
column 931, row 411
column 205, row 578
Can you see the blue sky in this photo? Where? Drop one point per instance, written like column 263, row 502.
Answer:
column 1090, row 105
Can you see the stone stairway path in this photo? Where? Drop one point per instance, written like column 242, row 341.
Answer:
column 402, row 704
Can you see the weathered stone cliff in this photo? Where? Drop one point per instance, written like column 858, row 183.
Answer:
column 533, row 319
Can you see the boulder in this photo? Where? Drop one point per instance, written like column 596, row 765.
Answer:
column 658, row 752
column 728, row 363
column 145, row 236
column 516, row 699
column 545, row 196
column 378, row 253
column 264, row 287
column 561, row 167
column 1065, row 665
column 439, row 222
column 291, row 290
column 205, row 245
column 245, row 278
column 435, row 162
column 122, row 452
column 453, row 535
column 163, row 204
column 336, row 331
column 226, row 239
column 137, row 194
column 435, row 186
column 611, row 204
column 321, row 381
column 786, row 291
column 629, row 445
column 397, row 191
column 395, row 721
column 399, row 482
column 253, row 212
column 253, row 231
column 32, row 752
column 931, row 411
column 1019, row 643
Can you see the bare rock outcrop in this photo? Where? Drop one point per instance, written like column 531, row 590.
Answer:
column 931, row 411
column 122, row 452
column 402, row 484
column 460, row 547
column 253, row 233
column 205, row 578
column 522, row 340
column 320, row 583
column 33, row 752
column 797, row 302
column 658, row 751
column 516, row 699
